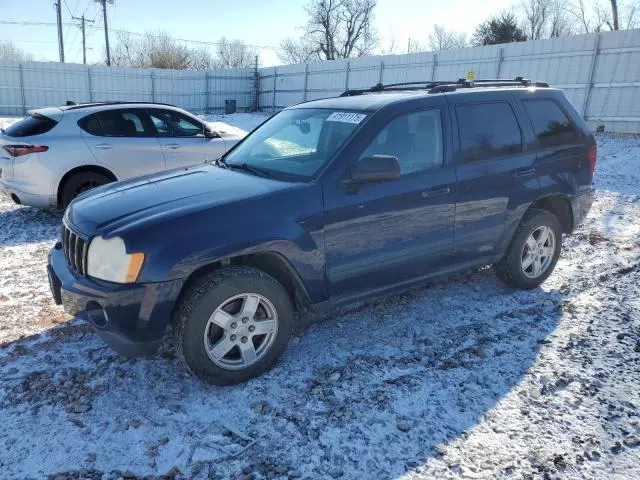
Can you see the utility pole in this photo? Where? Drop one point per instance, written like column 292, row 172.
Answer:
column 84, row 37
column 58, row 6
column 106, row 27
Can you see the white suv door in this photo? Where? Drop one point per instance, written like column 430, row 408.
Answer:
column 124, row 141
column 183, row 139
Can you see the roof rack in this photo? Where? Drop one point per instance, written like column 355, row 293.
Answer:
column 73, row 106
column 446, row 86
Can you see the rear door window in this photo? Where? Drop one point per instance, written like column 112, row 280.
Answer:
column 118, row 123
column 550, row 123
column 30, row 125
column 487, row 130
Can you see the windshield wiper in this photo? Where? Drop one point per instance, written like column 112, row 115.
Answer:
column 247, row 168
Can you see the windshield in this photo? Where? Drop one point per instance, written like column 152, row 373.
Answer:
column 295, row 143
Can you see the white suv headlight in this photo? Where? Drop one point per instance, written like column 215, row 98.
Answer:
column 108, row 260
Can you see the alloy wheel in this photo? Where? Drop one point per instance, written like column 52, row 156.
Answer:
column 538, row 252
column 241, row 331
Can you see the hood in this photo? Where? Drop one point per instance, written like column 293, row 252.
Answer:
column 118, row 205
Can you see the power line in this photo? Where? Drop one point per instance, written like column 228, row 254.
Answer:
column 199, row 42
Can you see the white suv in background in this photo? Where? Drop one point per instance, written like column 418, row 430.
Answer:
column 54, row 154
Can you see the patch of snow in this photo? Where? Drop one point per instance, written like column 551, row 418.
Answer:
column 460, row 379
column 242, row 121
column 8, row 121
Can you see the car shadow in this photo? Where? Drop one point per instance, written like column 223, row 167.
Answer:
column 368, row 392
column 21, row 225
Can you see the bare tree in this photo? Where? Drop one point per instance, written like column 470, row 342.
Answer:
column 234, row 54
column 10, row 53
column 414, row 46
column 560, row 23
column 611, row 16
column 160, row 50
column 536, row 15
column 341, row 28
column 441, row 39
column 151, row 50
column 294, row 51
column 391, row 48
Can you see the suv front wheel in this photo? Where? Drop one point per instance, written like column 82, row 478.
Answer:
column 533, row 253
column 232, row 325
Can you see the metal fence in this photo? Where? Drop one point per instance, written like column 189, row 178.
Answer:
column 600, row 73
column 28, row 85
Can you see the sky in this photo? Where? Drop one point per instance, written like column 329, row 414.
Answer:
column 263, row 23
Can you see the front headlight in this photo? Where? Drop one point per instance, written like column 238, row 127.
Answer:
column 108, row 260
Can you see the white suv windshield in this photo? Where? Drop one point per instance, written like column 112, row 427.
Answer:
column 296, row 143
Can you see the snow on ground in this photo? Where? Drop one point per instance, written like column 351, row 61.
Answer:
column 235, row 122
column 464, row 379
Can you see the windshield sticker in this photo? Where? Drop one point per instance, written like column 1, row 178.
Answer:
column 346, row 117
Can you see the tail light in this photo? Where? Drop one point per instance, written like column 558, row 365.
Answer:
column 592, row 155
column 20, row 150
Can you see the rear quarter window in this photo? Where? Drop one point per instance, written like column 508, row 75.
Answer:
column 487, row 130
column 550, row 124
column 91, row 124
column 30, row 125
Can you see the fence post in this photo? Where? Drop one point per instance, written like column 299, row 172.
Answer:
column 306, row 81
column 433, row 70
column 500, row 58
column 592, row 67
column 381, row 71
column 153, row 86
column 346, row 80
column 275, row 77
column 255, row 106
column 207, row 92
column 90, row 84
column 24, row 100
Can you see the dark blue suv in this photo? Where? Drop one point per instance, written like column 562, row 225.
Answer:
column 327, row 202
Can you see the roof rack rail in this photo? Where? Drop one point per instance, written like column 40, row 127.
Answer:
column 446, row 86
column 74, row 106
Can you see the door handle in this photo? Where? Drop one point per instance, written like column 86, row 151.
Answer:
column 524, row 172
column 172, row 146
column 104, row 146
column 436, row 192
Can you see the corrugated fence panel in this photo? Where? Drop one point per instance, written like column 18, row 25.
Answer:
column 10, row 91
column 229, row 84
column 615, row 96
column 599, row 72
column 54, row 84
column 39, row 84
column 326, row 79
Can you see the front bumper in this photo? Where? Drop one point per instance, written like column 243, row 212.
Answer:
column 130, row 318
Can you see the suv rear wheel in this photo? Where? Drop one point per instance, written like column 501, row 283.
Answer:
column 232, row 325
column 533, row 253
column 79, row 183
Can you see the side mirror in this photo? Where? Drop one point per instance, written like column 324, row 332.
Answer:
column 210, row 133
column 376, row 168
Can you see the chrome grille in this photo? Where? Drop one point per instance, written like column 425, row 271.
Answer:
column 75, row 250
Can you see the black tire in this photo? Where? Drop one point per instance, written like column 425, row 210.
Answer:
column 80, row 183
column 202, row 299
column 509, row 269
